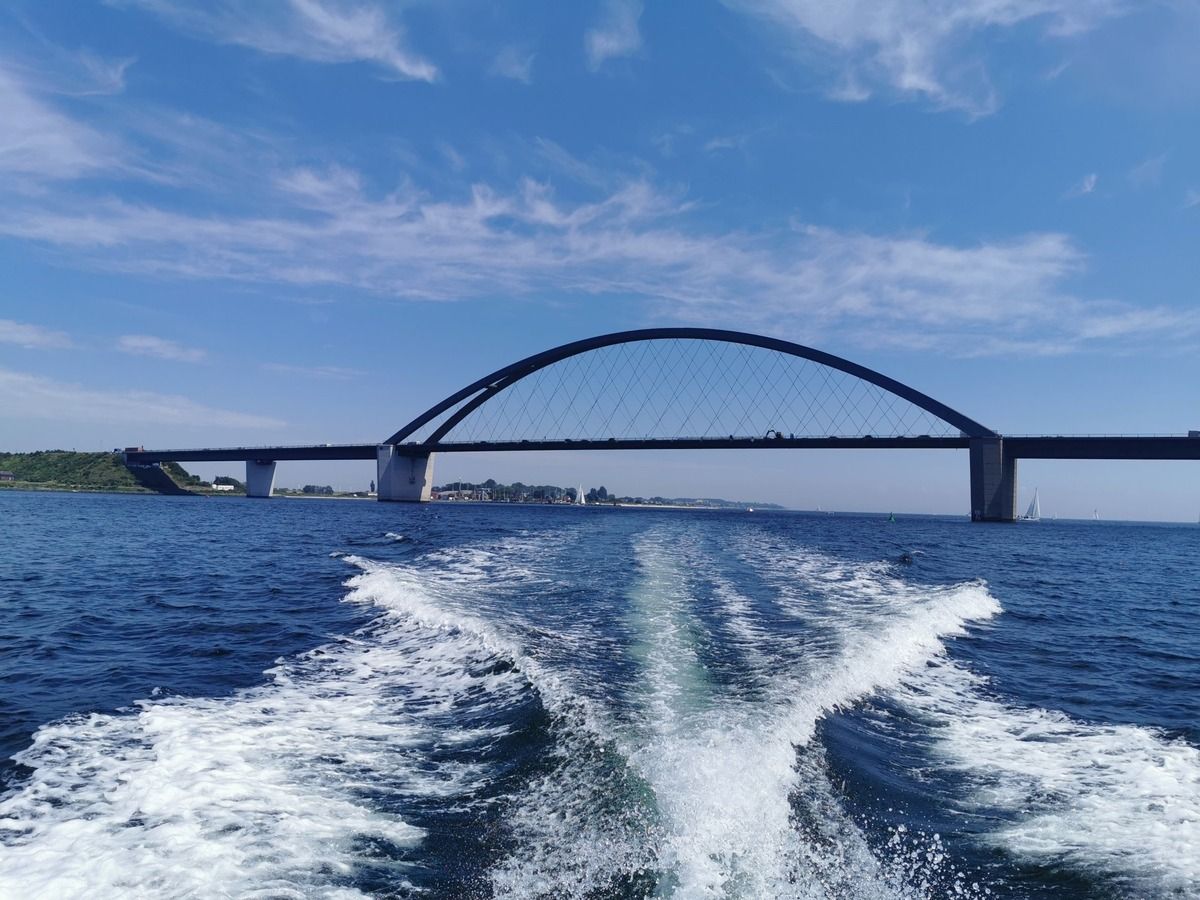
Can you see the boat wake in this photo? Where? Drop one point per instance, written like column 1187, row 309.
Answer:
column 513, row 725
column 272, row 790
column 725, row 771
column 1122, row 801
column 288, row 789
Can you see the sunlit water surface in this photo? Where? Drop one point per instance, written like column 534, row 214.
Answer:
column 226, row 697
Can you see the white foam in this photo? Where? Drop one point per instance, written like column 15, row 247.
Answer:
column 825, row 590
column 698, row 792
column 1120, row 800
column 193, row 796
column 466, row 579
column 275, row 790
column 563, row 845
column 724, row 772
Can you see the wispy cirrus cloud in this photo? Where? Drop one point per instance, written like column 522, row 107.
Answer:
column 73, row 73
column 618, row 235
column 722, row 143
column 33, row 396
column 38, row 141
column 1086, row 185
column 337, row 373
column 159, row 348
column 326, row 31
column 33, row 337
column 629, row 239
column 101, row 74
column 1149, row 172
column 916, row 48
column 616, row 34
column 31, row 56
column 514, row 62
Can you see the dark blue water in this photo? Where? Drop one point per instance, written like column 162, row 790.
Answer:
column 227, row 697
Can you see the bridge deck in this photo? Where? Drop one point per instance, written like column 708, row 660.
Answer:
column 1025, row 447
column 248, row 454
column 1100, row 447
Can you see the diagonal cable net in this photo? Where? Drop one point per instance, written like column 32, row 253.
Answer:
column 690, row 388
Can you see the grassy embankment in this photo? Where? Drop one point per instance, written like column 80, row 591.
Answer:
column 69, row 470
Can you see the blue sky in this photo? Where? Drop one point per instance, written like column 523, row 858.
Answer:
column 309, row 220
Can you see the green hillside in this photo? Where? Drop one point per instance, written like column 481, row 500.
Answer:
column 71, row 470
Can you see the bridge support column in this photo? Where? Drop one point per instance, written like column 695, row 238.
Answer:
column 993, row 481
column 402, row 477
column 260, row 477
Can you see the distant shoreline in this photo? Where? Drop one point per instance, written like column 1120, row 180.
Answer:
column 668, row 506
column 35, row 487
column 593, row 505
column 126, row 492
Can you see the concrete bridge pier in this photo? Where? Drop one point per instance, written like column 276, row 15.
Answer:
column 993, row 481
column 260, row 477
column 403, row 477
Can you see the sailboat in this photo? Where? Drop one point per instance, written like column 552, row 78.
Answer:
column 579, row 498
column 1034, row 513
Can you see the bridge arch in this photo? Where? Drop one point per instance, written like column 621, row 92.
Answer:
column 824, row 379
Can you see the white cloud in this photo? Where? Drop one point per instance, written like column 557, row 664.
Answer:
column 33, row 337
column 74, row 73
column 515, row 63
column 325, row 227
column 617, row 33
column 1056, row 71
column 37, row 141
column 32, row 396
column 1191, row 198
column 1126, row 322
column 1149, row 172
column 917, row 48
column 725, row 142
column 455, row 160
column 160, row 348
column 98, row 75
column 327, row 31
column 668, row 142
column 338, row 373
column 1086, row 185
column 633, row 239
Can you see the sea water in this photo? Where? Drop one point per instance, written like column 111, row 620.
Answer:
column 238, row 698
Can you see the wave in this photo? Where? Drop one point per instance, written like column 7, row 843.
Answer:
column 1122, row 801
column 578, row 824
column 702, row 793
column 281, row 790
column 1118, row 800
column 696, row 795
column 725, row 774
column 672, row 780
column 193, row 795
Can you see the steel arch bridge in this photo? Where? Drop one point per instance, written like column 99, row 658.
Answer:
column 684, row 388
column 688, row 388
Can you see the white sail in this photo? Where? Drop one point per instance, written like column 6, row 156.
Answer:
column 1034, row 513
column 579, row 499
